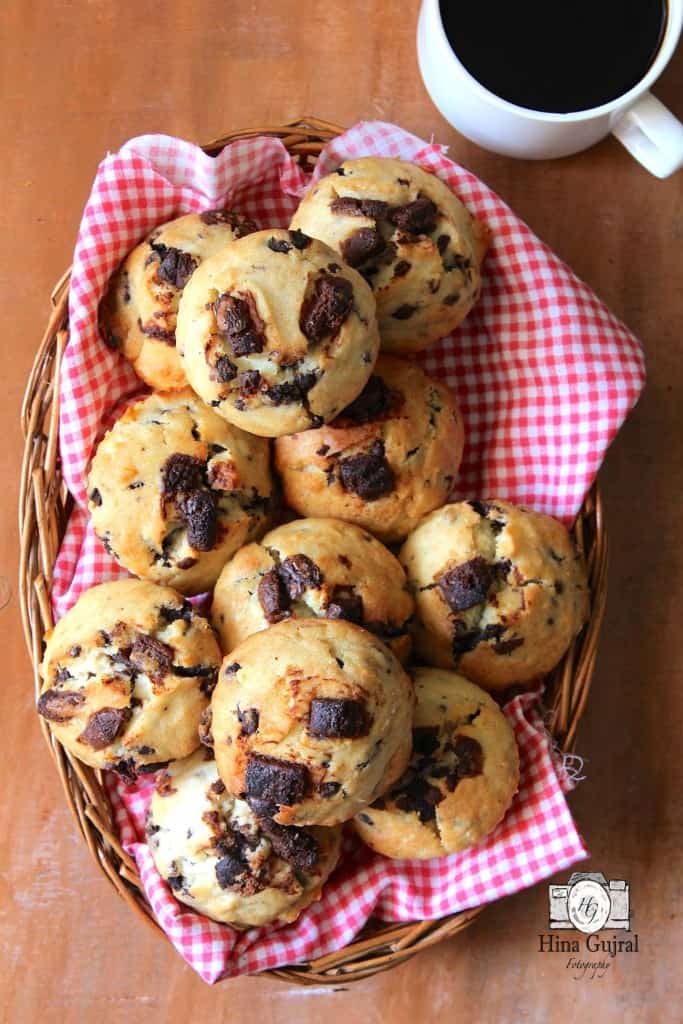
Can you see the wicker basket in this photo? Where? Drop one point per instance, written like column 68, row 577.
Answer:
column 44, row 507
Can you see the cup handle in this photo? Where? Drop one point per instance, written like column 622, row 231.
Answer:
column 651, row 134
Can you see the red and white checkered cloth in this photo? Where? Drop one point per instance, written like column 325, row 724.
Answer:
column 536, row 839
column 544, row 375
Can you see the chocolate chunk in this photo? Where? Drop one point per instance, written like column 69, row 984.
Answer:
column 238, row 319
column 62, row 674
column 198, row 509
column 233, row 667
column 329, row 789
column 175, row 882
column 151, row 656
column 292, row 391
column 103, row 727
column 248, row 719
column 75, row 650
column 425, row 740
column 59, row 705
column 338, row 718
column 366, row 818
column 149, row 769
column 275, row 782
column 250, row 382
column 418, row 795
column 181, row 473
column 362, row 245
column 442, row 243
column 217, row 787
column 293, row 845
column 241, row 226
column 230, row 869
column 273, row 596
column 345, row 604
column 175, row 267
column 205, row 734
column 96, row 497
column 465, row 640
column 327, row 307
column 375, row 400
column 247, row 343
column 348, row 206
column 299, row 239
column 469, row 760
column 416, row 218
column 300, row 573
column 480, row 507
column 468, row 584
column 559, row 587
column 279, row 245
column 367, row 474
column 402, row 268
column 404, row 312
column 283, row 394
column 224, row 371
column 194, row 671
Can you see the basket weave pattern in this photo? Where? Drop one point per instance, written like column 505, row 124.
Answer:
column 44, row 508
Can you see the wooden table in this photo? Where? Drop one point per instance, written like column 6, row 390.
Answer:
column 77, row 79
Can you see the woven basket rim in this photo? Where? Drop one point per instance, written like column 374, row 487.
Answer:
column 44, row 508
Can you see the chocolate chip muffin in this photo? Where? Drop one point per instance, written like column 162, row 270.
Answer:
column 222, row 860
column 276, row 333
column 323, row 568
column 138, row 312
column 127, row 674
column 461, row 779
column 311, row 721
column 389, row 458
column 500, row 591
column 411, row 239
column 174, row 490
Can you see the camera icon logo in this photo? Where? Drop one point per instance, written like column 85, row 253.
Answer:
column 589, row 903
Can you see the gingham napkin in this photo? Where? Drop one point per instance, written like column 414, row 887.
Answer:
column 544, row 375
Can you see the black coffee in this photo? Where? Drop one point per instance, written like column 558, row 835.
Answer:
column 556, row 55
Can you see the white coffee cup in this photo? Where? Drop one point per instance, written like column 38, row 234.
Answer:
column 642, row 124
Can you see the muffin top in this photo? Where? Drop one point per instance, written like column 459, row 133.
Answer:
column 311, row 720
column 222, row 860
column 462, row 775
column 174, row 490
column 314, row 568
column 277, row 333
column 389, row 458
column 500, row 590
column 127, row 673
column 409, row 236
column 138, row 312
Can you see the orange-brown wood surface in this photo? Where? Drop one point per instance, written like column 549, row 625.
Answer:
column 77, row 78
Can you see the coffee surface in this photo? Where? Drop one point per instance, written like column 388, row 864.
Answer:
column 556, row 57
